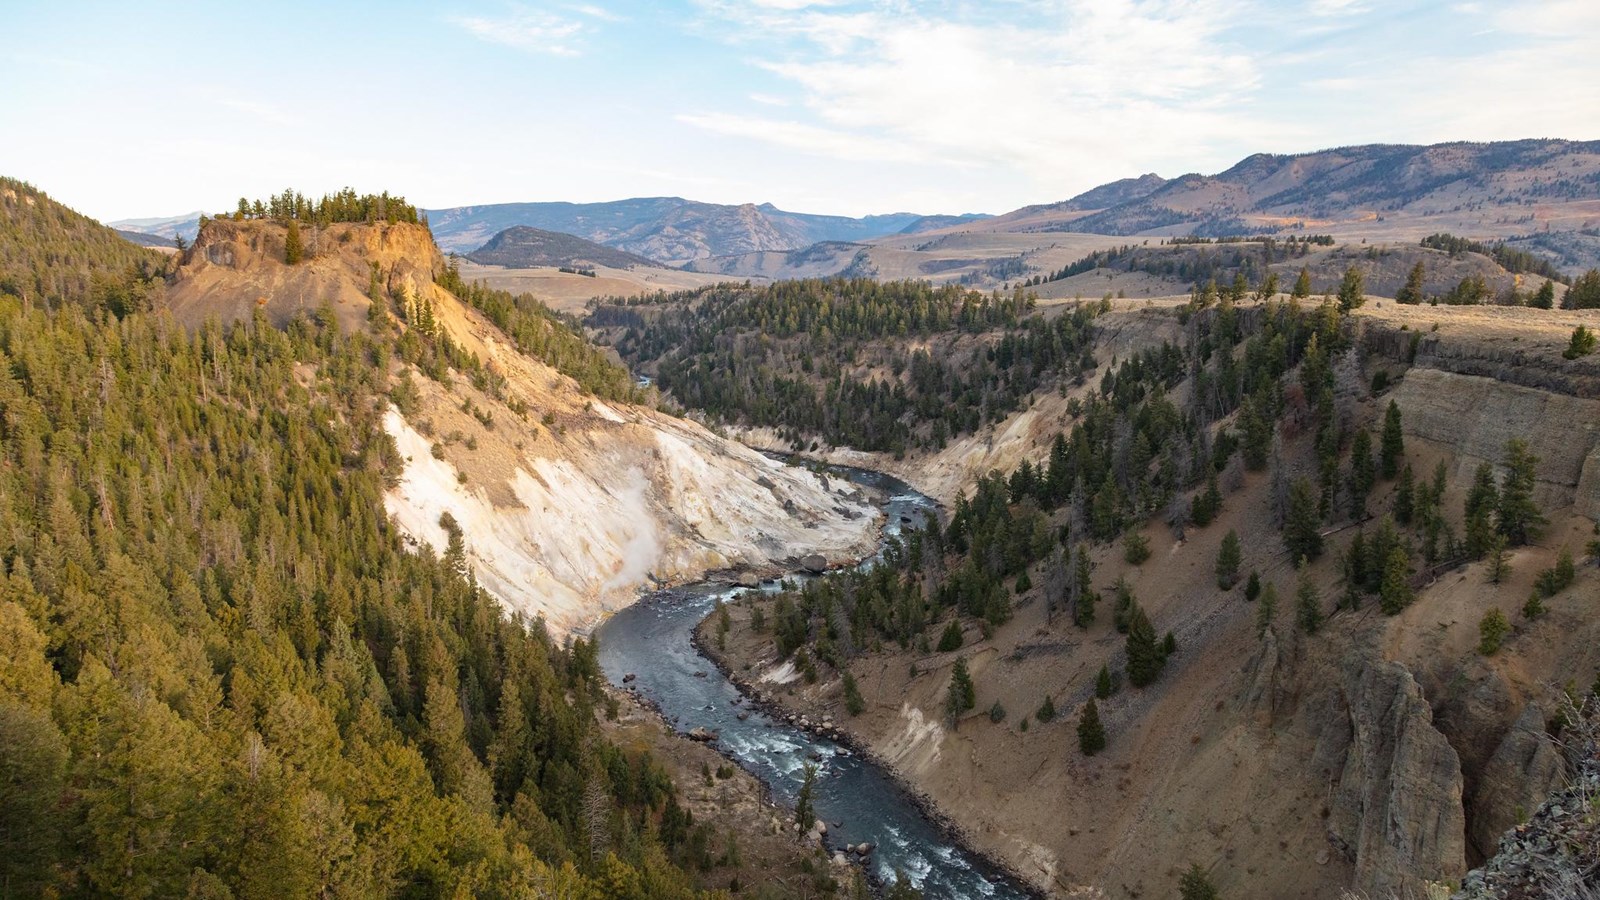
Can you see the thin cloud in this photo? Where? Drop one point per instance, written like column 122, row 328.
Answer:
column 1088, row 87
column 529, row 30
column 597, row 12
column 807, row 138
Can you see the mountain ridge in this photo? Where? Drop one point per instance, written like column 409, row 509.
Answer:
column 525, row 247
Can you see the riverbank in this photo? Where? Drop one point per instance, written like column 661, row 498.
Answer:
column 824, row 726
column 750, row 845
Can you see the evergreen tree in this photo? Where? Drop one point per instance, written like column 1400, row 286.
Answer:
column 1252, row 586
column 950, row 639
column 1582, row 343
column 1499, row 559
column 1302, row 285
column 1047, row 710
column 1091, row 734
column 1482, row 499
column 1516, row 515
column 962, row 695
column 1411, row 293
column 1135, row 548
column 1492, row 631
column 291, row 244
column 1308, row 601
column 1103, row 685
column 1393, row 446
column 1362, row 474
column 1301, row 527
column 853, row 701
column 1145, row 659
column 1405, row 497
column 1195, row 884
column 1083, row 592
column 805, row 814
column 1395, row 593
column 1229, row 556
column 1350, row 290
column 1533, row 607
column 1545, row 297
column 1584, row 292
column 1267, row 608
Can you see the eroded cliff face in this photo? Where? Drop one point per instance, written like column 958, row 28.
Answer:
column 568, row 507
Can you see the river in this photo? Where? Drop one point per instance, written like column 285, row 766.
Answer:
column 859, row 801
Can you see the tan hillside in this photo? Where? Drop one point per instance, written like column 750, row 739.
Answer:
column 1377, row 755
column 568, row 505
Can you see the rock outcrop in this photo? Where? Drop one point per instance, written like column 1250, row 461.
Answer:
column 1394, row 782
column 1555, row 854
column 1473, row 416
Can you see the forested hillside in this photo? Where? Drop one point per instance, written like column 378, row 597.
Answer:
column 227, row 672
column 872, row 365
column 48, row 253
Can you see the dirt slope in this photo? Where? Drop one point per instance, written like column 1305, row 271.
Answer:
column 1380, row 754
column 568, row 508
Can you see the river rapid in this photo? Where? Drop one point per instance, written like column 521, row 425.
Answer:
column 860, row 802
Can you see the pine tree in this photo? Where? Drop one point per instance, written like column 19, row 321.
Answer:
column 1195, row 884
column 1350, row 290
column 1091, row 734
column 1393, row 446
column 1301, row 535
column 1534, row 607
column 1482, row 498
column 1499, row 559
column 1135, row 548
column 1083, row 591
column 1047, row 710
column 291, row 244
column 1252, row 586
column 1267, row 609
column 1308, row 601
column 962, row 695
column 1229, row 556
column 1145, row 659
column 1545, row 297
column 1492, row 631
column 1395, row 593
column 1103, row 685
column 853, row 701
column 951, row 638
column 1405, row 497
column 1582, row 343
column 1302, row 285
column 1516, row 515
column 1411, row 293
column 1362, row 474
column 805, row 814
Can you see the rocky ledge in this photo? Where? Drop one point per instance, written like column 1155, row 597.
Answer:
column 1555, row 855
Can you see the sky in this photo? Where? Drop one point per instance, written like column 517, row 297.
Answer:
column 830, row 106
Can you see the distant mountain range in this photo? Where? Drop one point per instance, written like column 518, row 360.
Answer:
column 671, row 229
column 1540, row 195
column 1453, row 183
column 185, row 226
column 146, row 240
column 522, row 247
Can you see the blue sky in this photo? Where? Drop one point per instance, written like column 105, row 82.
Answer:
column 151, row 108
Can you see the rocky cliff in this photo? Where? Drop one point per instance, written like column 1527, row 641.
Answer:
column 568, row 506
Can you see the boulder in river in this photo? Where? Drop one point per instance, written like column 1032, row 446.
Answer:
column 815, row 563
column 747, row 580
column 703, row 735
